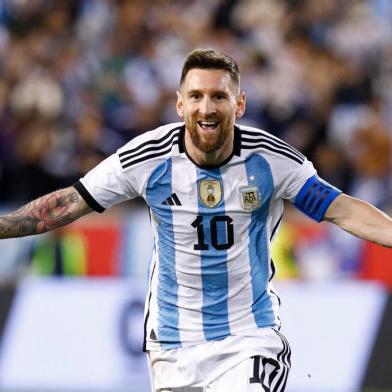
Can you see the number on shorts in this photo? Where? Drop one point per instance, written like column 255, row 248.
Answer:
column 261, row 377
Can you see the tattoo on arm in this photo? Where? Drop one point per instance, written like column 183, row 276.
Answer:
column 73, row 197
column 46, row 213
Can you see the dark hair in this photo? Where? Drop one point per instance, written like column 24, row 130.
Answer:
column 211, row 59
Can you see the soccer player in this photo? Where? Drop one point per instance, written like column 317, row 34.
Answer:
column 215, row 190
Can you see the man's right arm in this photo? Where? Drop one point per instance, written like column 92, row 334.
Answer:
column 44, row 214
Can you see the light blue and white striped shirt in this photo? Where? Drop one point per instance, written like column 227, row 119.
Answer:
column 211, row 269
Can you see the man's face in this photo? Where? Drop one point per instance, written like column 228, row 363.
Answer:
column 209, row 103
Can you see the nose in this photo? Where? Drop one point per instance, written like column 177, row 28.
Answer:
column 206, row 106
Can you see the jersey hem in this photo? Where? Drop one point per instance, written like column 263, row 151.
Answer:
column 160, row 346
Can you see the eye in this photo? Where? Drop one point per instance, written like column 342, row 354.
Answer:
column 220, row 97
column 194, row 96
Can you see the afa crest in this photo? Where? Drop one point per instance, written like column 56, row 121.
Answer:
column 210, row 192
column 249, row 197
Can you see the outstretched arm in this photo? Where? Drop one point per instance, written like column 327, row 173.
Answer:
column 43, row 214
column 361, row 219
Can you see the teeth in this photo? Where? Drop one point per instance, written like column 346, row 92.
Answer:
column 209, row 124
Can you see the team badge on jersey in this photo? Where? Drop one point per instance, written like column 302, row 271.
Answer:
column 249, row 197
column 210, row 192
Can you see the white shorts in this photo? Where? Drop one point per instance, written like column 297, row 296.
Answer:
column 246, row 363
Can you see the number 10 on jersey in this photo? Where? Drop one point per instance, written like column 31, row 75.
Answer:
column 219, row 233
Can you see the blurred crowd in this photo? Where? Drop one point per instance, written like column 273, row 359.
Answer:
column 81, row 77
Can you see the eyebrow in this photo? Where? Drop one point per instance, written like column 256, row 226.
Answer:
column 196, row 91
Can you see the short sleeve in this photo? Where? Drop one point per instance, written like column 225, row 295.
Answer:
column 291, row 177
column 105, row 185
column 310, row 194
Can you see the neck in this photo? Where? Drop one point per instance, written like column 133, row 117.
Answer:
column 214, row 158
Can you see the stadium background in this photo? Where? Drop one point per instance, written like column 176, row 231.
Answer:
column 81, row 77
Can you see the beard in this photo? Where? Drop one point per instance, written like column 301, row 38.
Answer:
column 209, row 143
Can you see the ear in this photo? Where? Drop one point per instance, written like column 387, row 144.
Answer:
column 241, row 105
column 180, row 104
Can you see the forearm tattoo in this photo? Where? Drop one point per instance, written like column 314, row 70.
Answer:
column 46, row 213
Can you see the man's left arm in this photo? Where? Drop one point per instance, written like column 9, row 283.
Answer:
column 360, row 219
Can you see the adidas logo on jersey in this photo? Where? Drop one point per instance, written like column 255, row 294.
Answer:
column 172, row 200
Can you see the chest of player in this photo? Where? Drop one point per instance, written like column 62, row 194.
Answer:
column 209, row 209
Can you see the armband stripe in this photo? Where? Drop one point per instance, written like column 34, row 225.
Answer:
column 310, row 191
column 315, row 197
column 322, row 198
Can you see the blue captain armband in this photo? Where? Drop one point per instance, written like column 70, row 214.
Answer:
column 315, row 197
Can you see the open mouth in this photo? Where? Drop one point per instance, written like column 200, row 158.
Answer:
column 208, row 125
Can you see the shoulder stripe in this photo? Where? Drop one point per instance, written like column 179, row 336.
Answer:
column 151, row 156
column 268, row 147
column 275, row 145
column 149, row 142
column 269, row 136
column 169, row 142
column 271, row 139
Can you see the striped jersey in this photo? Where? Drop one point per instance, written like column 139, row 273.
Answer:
column 211, row 269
